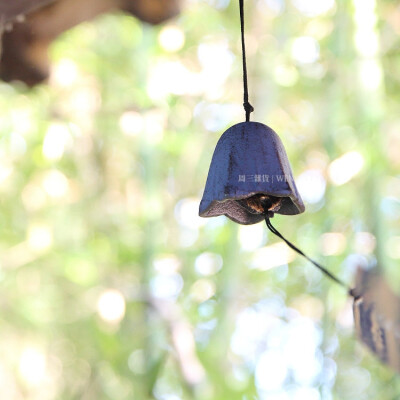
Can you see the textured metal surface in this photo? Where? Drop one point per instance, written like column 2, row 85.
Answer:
column 377, row 317
column 249, row 160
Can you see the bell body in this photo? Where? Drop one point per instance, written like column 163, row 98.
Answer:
column 250, row 176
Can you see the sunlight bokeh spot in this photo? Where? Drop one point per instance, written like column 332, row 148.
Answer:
column 333, row 243
column 366, row 43
column 276, row 6
column 131, row 123
column 167, row 264
column 311, row 185
column 40, row 237
column 56, row 184
column 305, row 393
column 300, row 349
column 111, row 306
column 365, row 242
column 17, row 144
column 251, row 237
column 208, row 263
column 202, row 290
column 64, row 73
column 56, row 139
column 154, row 125
column 33, row 196
column 366, row 40
column 371, row 74
column 171, row 38
column 32, row 366
column 171, row 77
column 187, row 213
column 271, row 371
column 309, row 306
column 346, row 167
column 313, row 8
column 286, row 75
column 166, row 285
column 272, row 256
column 22, row 120
column 255, row 325
column 305, row 50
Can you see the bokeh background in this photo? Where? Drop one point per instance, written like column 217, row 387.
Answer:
column 113, row 288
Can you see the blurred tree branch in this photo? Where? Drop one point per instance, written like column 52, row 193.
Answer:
column 9, row 10
column 31, row 26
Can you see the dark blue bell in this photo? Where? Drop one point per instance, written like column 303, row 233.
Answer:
column 250, row 177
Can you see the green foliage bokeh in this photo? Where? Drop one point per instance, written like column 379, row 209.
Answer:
column 113, row 288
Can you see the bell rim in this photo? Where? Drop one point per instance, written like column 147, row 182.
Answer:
column 207, row 204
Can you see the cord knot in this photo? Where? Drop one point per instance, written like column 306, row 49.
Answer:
column 248, row 108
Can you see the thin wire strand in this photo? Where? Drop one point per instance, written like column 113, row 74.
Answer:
column 248, row 108
column 319, row 266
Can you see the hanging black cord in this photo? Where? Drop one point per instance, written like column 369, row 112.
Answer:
column 319, row 266
column 247, row 106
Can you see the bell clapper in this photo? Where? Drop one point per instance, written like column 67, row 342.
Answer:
column 262, row 204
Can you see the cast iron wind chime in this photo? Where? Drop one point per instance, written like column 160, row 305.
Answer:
column 250, row 179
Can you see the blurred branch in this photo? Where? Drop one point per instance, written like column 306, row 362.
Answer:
column 9, row 10
column 2, row 25
column 182, row 341
column 17, row 256
column 27, row 38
